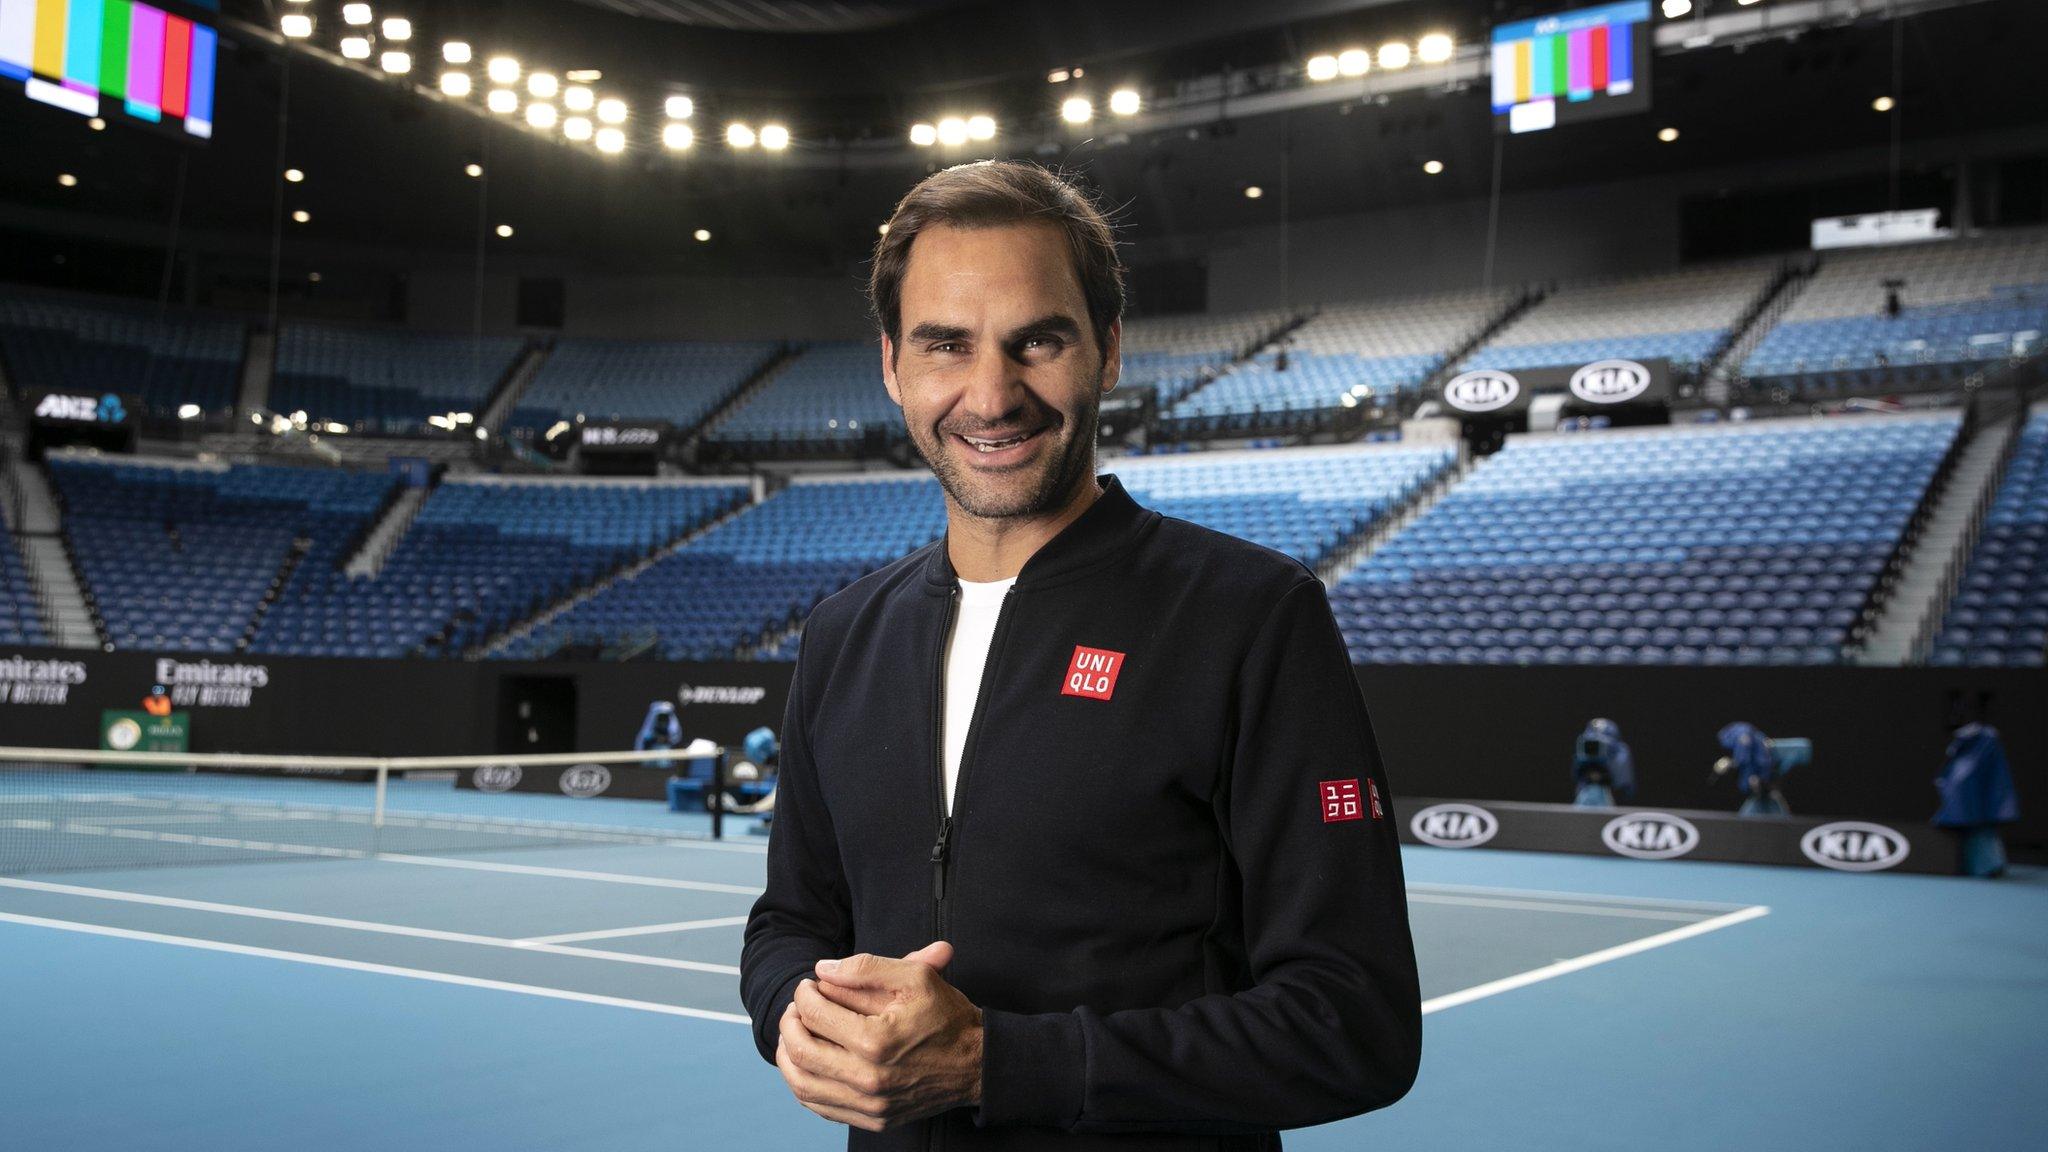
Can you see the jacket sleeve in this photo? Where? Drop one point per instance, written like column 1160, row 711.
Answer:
column 1331, row 1024
column 804, row 915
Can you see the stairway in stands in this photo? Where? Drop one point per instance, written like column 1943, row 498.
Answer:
column 66, row 617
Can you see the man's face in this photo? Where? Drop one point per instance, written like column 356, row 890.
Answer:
column 998, row 371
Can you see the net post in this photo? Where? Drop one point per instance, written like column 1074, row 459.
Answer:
column 377, row 809
column 718, row 794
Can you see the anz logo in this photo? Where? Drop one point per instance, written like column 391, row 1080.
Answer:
column 1610, row 381
column 1650, row 835
column 1482, row 390
column 1854, row 846
column 1454, row 825
column 106, row 409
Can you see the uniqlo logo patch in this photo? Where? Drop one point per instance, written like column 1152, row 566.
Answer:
column 1341, row 801
column 1092, row 673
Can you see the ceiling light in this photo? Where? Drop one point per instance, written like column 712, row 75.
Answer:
column 296, row 25
column 66, row 180
column 774, row 137
column 1667, row 135
column 1125, row 102
column 981, row 128
column 1056, row 76
column 96, row 124
column 611, row 110
column 577, row 98
column 1078, row 73
column 738, row 135
column 1077, row 111
column 188, row 411
column 1434, row 48
column 1393, row 55
column 923, row 135
column 505, row 231
column 577, row 128
column 542, row 85
column 882, row 229
column 679, row 107
column 1254, row 192
column 611, row 140
column 1433, row 167
column 952, row 132
column 472, row 170
column 503, row 101
column 301, row 216
column 540, row 115
column 502, row 70
column 1321, row 68
column 1354, row 62
column 293, row 176
column 397, row 28
column 355, row 47
column 583, row 75
column 455, row 84
column 1883, row 104
column 1673, row 9
column 355, row 14
column 455, row 51
column 676, row 137
column 397, row 63
column 703, row 235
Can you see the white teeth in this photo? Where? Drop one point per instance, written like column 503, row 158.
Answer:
column 993, row 445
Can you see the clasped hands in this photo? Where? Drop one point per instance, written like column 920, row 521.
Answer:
column 876, row 1042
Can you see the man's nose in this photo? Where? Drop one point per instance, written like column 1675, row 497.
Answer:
column 992, row 388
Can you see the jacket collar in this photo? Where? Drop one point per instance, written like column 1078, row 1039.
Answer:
column 1110, row 526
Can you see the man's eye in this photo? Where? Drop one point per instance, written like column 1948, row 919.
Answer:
column 946, row 346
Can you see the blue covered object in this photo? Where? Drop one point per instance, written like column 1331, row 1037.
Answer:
column 1976, row 785
column 1603, row 768
column 761, row 747
column 661, row 729
column 1755, row 764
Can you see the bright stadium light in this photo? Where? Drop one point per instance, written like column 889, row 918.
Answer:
column 981, row 128
column 455, row 84
column 96, row 124
column 923, row 135
column 1354, row 62
column 301, row 216
column 738, row 135
column 355, row 47
column 1057, row 76
column 1883, row 104
column 1433, row 167
column 502, row 70
column 952, row 132
column 397, row 28
column 66, row 180
column 397, row 63
column 455, row 51
column 679, row 107
column 1667, row 135
column 611, row 110
column 542, row 85
column 505, row 231
column 503, row 101
column 541, row 115
column 1393, row 55
column 1253, row 192
column 1673, row 9
column 703, row 235
column 582, row 75
column 1125, row 102
column 294, row 176
column 355, row 15
column 882, row 228
column 472, row 170
column 577, row 98
column 577, row 128
column 677, row 137
column 1323, row 67
column 188, row 411
column 1434, row 48
column 774, row 137
column 1077, row 110
column 296, row 25
column 611, row 140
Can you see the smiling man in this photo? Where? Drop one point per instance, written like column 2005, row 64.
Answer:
column 1081, row 836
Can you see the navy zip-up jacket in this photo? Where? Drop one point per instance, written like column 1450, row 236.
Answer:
column 1170, row 875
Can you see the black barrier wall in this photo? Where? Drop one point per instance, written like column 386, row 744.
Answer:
column 1457, row 732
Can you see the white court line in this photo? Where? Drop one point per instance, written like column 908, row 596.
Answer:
column 1590, row 959
column 1581, row 897
column 642, row 930
column 381, row 969
column 1553, row 906
column 565, row 873
column 373, row 926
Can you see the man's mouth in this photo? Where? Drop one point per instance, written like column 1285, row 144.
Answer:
column 988, row 444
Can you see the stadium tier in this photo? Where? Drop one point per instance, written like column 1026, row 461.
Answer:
column 677, row 381
column 1742, row 544
column 53, row 342
column 1684, row 317
column 1342, row 354
column 1959, row 304
column 1172, row 355
column 827, row 395
column 21, row 621
column 385, row 381
column 483, row 553
column 180, row 557
column 2000, row 611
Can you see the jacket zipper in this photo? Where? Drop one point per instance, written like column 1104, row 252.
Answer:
column 942, row 847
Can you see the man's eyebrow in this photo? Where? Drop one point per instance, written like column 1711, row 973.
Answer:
column 928, row 332
column 1051, row 324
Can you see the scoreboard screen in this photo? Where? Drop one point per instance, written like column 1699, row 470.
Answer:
column 89, row 56
column 1578, row 65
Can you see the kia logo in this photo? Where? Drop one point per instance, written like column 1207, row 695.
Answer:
column 1454, row 825
column 1650, row 835
column 1483, row 390
column 586, row 780
column 1853, row 846
column 1610, row 381
column 496, row 778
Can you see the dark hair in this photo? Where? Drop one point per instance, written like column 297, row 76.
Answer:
column 990, row 194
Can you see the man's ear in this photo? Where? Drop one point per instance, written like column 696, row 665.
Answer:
column 1113, row 355
column 889, row 370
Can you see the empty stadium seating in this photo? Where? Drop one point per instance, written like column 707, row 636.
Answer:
column 1961, row 303
column 483, row 553
column 2000, row 611
column 1684, row 317
column 179, row 556
column 678, row 381
column 1172, row 355
column 21, row 622
column 54, row 342
column 828, row 395
column 1741, row 544
column 385, row 381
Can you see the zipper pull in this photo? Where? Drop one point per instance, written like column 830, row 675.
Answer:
column 939, row 850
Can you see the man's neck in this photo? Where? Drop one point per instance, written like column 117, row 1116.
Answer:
column 983, row 550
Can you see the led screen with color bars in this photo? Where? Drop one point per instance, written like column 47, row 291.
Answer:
column 79, row 54
column 1572, row 66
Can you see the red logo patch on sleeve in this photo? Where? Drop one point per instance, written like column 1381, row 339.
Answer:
column 1340, row 801
column 1092, row 673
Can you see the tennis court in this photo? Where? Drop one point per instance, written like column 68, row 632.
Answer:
column 206, row 961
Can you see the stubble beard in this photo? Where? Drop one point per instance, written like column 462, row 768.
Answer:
column 1059, row 471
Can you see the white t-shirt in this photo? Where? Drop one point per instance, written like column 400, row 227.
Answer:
column 974, row 628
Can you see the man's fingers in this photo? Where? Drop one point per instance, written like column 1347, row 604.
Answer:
column 827, row 1061
column 831, row 1021
column 865, row 1001
column 827, row 1097
column 869, row 971
column 935, row 955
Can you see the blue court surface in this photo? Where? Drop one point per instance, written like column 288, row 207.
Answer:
column 225, row 970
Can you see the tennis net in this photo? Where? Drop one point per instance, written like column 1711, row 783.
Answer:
column 67, row 810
